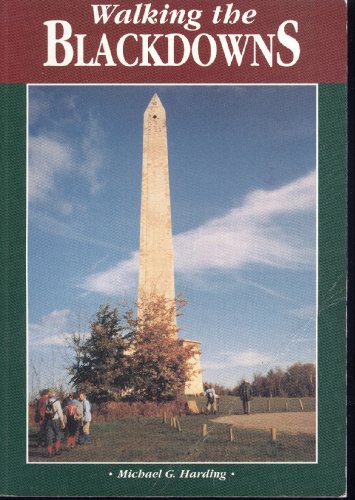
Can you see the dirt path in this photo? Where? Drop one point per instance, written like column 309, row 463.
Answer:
column 292, row 422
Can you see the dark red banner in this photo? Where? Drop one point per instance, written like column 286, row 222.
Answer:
column 245, row 41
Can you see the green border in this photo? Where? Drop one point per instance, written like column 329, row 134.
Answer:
column 327, row 478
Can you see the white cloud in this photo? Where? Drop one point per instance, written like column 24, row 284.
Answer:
column 52, row 155
column 268, row 229
column 243, row 359
column 250, row 234
column 250, row 359
column 120, row 279
column 51, row 330
column 48, row 157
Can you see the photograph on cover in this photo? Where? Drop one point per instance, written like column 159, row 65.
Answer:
column 172, row 273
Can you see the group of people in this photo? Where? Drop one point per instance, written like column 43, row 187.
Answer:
column 245, row 394
column 70, row 417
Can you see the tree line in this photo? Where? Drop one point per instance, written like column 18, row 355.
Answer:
column 298, row 380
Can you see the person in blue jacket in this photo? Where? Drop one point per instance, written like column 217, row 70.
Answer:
column 84, row 435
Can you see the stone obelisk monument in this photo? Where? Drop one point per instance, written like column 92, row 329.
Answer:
column 156, row 260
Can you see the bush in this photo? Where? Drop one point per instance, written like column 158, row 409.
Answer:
column 115, row 410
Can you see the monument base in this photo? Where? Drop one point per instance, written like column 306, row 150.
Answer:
column 194, row 386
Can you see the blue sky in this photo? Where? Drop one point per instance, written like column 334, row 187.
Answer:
column 242, row 164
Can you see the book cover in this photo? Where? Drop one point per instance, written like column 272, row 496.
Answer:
column 174, row 243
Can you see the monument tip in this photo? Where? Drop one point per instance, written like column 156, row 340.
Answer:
column 155, row 101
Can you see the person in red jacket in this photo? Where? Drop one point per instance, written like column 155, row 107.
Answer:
column 40, row 417
column 74, row 416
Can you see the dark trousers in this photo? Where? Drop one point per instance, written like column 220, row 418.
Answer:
column 72, row 426
column 53, row 433
column 246, row 406
column 41, row 436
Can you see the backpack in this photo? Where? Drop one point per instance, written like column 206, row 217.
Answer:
column 71, row 410
column 210, row 397
column 50, row 411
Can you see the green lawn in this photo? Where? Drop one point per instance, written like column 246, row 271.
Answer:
column 140, row 439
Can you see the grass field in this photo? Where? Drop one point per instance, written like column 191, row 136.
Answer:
column 142, row 439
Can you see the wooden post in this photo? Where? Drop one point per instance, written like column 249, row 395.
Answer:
column 231, row 434
column 273, row 434
column 171, row 422
column 204, row 430
column 301, row 404
column 286, row 406
column 178, row 425
column 164, row 417
column 268, row 405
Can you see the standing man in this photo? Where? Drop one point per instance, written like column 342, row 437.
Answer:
column 245, row 394
column 84, row 436
column 211, row 399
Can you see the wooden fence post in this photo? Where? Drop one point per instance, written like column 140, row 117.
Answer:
column 204, row 430
column 268, row 405
column 164, row 417
column 273, row 434
column 286, row 406
column 231, row 434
